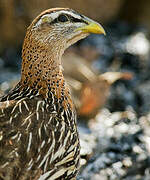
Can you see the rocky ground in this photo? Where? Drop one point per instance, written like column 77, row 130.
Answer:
column 116, row 143
column 119, row 136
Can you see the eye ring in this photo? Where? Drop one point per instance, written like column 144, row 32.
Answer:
column 63, row 18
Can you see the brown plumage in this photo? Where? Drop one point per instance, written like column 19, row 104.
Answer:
column 38, row 132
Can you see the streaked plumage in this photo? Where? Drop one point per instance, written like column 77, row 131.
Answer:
column 38, row 132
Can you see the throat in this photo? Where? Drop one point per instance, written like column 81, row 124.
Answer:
column 41, row 66
column 42, row 70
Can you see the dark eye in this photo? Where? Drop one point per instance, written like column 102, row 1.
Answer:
column 63, row 18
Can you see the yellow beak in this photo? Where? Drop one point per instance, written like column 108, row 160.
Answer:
column 92, row 27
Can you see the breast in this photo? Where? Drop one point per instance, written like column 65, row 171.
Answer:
column 40, row 135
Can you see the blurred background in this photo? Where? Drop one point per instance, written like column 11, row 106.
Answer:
column 109, row 78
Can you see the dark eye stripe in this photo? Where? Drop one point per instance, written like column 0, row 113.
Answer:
column 54, row 21
column 73, row 19
column 70, row 18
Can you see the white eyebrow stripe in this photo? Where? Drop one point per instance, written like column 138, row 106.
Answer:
column 55, row 15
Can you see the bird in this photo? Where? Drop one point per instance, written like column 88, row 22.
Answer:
column 38, row 129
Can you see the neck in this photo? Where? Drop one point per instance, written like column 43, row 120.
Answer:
column 41, row 67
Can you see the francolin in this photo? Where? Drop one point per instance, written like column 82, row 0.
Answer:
column 38, row 130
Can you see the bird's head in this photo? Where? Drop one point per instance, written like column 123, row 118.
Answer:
column 63, row 26
column 47, row 38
